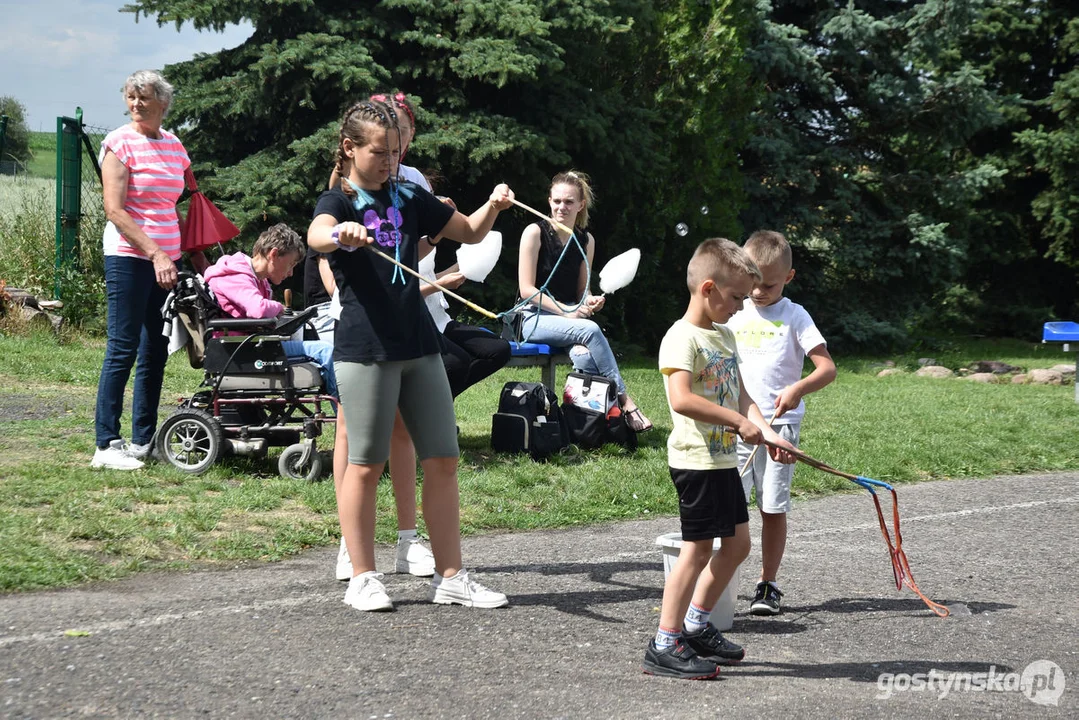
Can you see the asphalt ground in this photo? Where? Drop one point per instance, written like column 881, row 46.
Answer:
column 275, row 641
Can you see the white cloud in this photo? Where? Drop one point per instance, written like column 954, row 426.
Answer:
column 60, row 54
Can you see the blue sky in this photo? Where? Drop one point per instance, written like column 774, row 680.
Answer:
column 59, row 54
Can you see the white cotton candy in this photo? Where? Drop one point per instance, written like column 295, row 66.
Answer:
column 619, row 271
column 477, row 261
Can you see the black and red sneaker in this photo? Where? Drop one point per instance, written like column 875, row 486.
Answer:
column 678, row 661
column 710, row 645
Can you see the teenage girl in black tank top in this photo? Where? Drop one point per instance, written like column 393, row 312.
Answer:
column 565, row 308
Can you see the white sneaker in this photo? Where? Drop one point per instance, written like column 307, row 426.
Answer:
column 415, row 558
column 366, row 592
column 344, row 563
column 139, row 452
column 115, row 457
column 460, row 590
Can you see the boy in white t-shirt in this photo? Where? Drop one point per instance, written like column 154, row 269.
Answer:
column 774, row 337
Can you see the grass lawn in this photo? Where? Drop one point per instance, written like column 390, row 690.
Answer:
column 43, row 155
column 62, row 523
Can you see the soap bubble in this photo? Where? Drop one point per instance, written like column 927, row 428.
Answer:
column 704, row 209
column 682, row 229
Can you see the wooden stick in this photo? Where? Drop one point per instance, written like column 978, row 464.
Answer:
column 756, row 448
column 452, row 294
column 537, row 213
column 288, row 298
column 813, row 462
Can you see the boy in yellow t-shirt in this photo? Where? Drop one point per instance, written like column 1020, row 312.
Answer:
column 699, row 362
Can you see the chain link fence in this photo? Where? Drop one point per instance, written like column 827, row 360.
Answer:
column 80, row 220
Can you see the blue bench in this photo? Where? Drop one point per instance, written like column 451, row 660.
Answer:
column 1065, row 333
column 541, row 356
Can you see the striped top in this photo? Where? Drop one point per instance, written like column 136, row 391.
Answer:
column 155, row 182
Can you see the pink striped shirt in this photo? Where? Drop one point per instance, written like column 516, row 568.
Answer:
column 155, row 182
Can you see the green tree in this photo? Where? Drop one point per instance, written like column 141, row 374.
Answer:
column 858, row 154
column 508, row 90
column 1021, row 260
column 17, row 134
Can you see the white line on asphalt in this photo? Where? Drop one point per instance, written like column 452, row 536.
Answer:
column 114, row 625
column 938, row 516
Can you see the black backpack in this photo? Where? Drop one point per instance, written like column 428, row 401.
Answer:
column 528, row 420
column 591, row 412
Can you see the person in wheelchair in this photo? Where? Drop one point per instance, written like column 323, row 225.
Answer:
column 242, row 285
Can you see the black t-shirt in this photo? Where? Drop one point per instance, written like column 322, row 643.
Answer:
column 565, row 285
column 314, row 292
column 383, row 318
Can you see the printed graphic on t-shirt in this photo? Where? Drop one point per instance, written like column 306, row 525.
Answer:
column 754, row 333
column 387, row 231
column 719, row 379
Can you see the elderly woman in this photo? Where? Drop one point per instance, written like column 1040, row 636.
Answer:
column 142, row 172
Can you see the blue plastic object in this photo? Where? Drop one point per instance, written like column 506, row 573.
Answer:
column 526, row 349
column 1060, row 332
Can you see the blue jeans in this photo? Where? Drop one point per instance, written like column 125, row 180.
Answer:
column 565, row 332
column 319, row 351
column 134, row 332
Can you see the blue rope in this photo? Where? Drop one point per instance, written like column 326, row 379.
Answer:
column 542, row 290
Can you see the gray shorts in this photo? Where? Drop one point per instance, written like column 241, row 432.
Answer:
column 770, row 479
column 370, row 395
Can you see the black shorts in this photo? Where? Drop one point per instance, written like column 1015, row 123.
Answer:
column 710, row 502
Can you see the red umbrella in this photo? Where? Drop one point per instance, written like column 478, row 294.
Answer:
column 205, row 225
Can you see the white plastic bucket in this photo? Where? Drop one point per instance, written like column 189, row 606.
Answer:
column 723, row 612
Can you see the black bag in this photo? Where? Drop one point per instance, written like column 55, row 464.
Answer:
column 511, row 326
column 528, row 420
column 591, row 412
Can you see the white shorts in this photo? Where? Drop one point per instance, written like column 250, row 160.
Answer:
column 770, row 479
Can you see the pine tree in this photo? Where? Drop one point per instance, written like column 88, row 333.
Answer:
column 853, row 155
column 508, row 90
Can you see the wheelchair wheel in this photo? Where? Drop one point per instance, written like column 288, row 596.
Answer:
column 291, row 463
column 190, row 440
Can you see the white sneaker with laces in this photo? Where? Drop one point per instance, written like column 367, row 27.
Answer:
column 344, row 563
column 460, row 590
column 366, row 592
column 115, row 457
column 139, row 452
column 415, row 558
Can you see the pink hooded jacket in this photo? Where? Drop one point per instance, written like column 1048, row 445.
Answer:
column 239, row 292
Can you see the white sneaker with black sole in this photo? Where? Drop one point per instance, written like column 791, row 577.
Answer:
column 367, row 593
column 461, row 590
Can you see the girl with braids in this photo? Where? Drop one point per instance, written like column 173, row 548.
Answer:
column 413, row 556
column 469, row 355
column 559, row 316
column 387, row 354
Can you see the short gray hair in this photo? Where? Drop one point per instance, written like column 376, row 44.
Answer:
column 150, row 79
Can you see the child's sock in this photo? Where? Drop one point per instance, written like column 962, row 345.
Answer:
column 406, row 534
column 666, row 638
column 696, row 618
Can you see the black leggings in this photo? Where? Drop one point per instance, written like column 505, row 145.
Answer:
column 471, row 354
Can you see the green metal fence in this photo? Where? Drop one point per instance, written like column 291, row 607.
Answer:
column 80, row 210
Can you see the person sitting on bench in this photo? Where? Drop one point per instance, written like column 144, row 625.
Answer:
column 554, row 317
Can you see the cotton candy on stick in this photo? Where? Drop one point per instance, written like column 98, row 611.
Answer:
column 619, row 271
column 476, row 261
